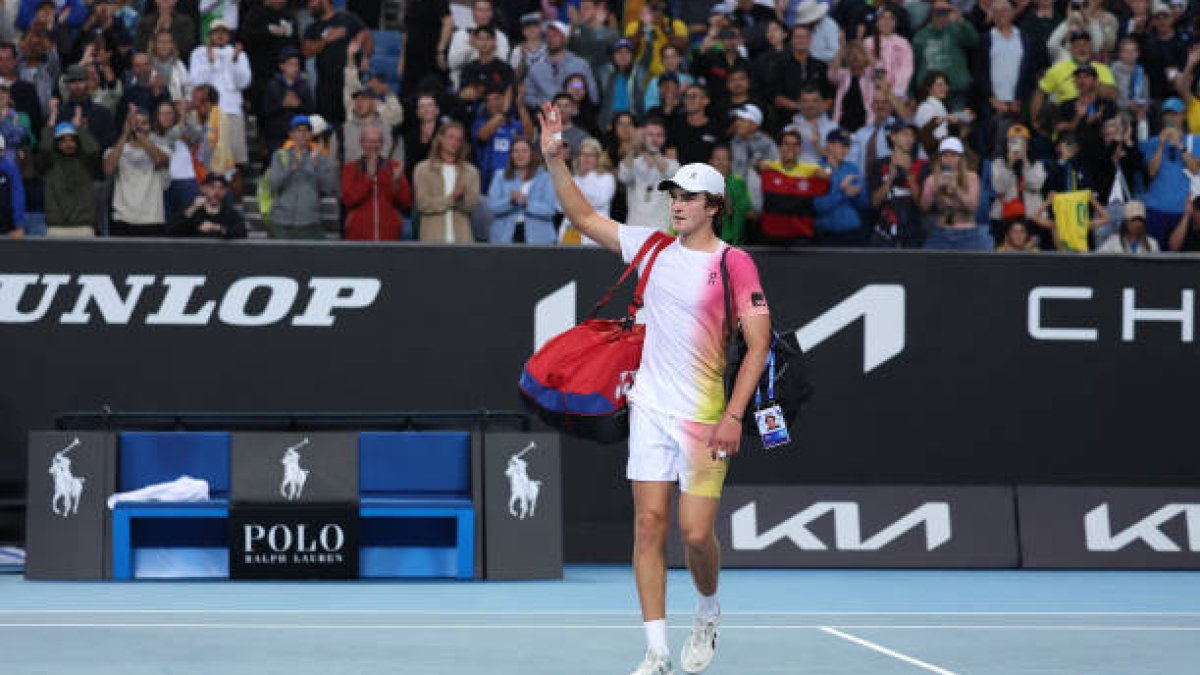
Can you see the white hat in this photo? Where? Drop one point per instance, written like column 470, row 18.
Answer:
column 951, row 144
column 696, row 177
column 318, row 124
column 220, row 23
column 559, row 26
column 749, row 111
column 810, row 11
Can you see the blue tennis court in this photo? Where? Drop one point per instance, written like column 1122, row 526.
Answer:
column 820, row 622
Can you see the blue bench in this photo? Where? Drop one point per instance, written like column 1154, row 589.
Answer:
column 147, row 458
column 418, row 518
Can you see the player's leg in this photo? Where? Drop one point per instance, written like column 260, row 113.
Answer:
column 652, row 502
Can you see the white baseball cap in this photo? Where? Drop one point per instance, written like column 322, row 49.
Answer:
column 951, row 144
column 696, row 177
column 749, row 111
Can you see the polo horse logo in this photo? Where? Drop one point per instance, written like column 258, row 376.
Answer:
column 523, row 492
column 294, row 475
column 67, row 488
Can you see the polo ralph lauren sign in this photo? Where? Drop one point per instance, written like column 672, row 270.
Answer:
column 293, row 541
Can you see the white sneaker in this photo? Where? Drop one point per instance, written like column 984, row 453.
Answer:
column 654, row 664
column 700, row 646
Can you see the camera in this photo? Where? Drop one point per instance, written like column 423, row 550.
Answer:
column 1016, row 144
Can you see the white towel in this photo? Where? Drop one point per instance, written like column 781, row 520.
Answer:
column 184, row 489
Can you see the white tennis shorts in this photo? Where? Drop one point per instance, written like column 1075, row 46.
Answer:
column 663, row 447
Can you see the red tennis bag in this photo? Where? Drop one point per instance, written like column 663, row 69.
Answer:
column 577, row 381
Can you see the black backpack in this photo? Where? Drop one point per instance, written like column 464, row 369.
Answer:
column 791, row 386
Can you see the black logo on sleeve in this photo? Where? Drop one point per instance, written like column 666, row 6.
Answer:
column 757, row 299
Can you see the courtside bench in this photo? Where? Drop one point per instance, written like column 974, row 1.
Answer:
column 418, row 518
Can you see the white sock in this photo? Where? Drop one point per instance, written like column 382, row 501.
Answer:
column 708, row 606
column 656, row 636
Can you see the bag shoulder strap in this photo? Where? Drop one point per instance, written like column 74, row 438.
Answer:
column 654, row 240
column 663, row 241
column 729, row 318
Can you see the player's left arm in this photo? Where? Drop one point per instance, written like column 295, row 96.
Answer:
column 727, row 435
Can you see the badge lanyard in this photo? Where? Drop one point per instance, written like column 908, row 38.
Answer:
column 770, row 379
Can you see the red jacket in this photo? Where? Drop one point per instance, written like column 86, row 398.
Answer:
column 372, row 203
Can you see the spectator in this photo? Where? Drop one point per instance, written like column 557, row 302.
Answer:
column 765, row 65
column 298, row 177
column 66, row 156
column 374, row 191
column 419, row 132
column 532, row 49
column 751, row 20
column 1136, row 22
column 14, row 129
column 372, row 105
column 586, row 112
column 1058, row 45
column 789, row 186
column 1066, row 174
column 464, row 47
column 798, row 73
column 144, row 89
column 1072, row 218
column 716, row 57
column 670, row 99
column 737, row 197
column 182, row 189
column 428, row 29
column 945, row 44
column 1017, row 179
column 950, row 196
column 1058, row 84
column 211, row 215
column 24, row 95
column 1039, row 19
column 102, row 21
column 750, row 149
column 738, row 84
column 212, row 11
column 165, row 17
column 495, row 130
column 487, row 66
column 63, row 19
column 620, row 141
column 894, row 183
column 594, row 176
column 647, row 206
column 39, row 63
column 97, row 118
column 1017, row 238
column 591, row 35
column 548, row 76
column 826, row 33
column 104, row 74
column 1006, row 65
column 655, row 30
column 812, row 124
column 1120, row 176
column 890, row 51
column 139, row 167
column 446, row 187
column 164, row 58
column 268, row 30
column 855, row 86
column 932, row 118
column 1133, row 87
column 694, row 135
column 287, row 95
column 573, row 136
column 1170, row 157
column 621, row 83
column 522, row 200
column 226, row 68
column 1132, row 236
column 837, row 220
column 1084, row 116
column 1165, row 52
column 327, row 38
column 871, row 142
column 1186, row 235
column 12, row 197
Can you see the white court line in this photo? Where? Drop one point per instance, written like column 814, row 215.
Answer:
column 887, row 652
column 559, row 626
column 566, row 612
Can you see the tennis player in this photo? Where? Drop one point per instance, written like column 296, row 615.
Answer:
column 681, row 430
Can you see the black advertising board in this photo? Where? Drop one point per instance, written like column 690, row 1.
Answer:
column 293, row 541
column 522, row 509
column 930, row 368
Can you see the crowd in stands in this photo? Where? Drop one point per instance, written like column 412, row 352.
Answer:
column 1015, row 125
